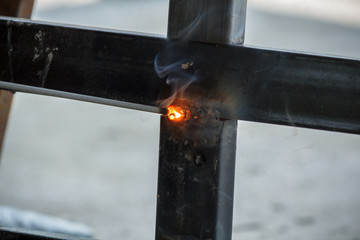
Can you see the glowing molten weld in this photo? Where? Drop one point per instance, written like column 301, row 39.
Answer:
column 175, row 113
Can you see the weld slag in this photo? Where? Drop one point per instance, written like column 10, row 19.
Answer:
column 198, row 123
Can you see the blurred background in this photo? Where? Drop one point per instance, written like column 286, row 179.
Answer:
column 98, row 165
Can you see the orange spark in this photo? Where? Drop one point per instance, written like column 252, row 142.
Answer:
column 175, row 113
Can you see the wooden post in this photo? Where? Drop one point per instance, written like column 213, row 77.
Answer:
column 11, row 8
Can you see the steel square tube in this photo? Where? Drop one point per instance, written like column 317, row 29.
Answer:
column 197, row 157
column 245, row 83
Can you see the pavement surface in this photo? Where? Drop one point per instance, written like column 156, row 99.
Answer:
column 98, row 165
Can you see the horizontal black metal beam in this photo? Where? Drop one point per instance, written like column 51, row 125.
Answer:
column 242, row 82
column 103, row 64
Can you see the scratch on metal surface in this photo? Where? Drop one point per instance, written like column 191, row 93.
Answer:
column 45, row 72
column 10, row 49
column 39, row 50
column 39, row 36
column 37, row 54
column 180, row 210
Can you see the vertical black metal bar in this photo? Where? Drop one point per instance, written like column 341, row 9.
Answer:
column 208, row 20
column 196, row 180
column 197, row 161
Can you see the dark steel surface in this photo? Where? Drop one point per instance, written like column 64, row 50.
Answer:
column 15, row 8
column 197, row 157
column 244, row 83
column 196, row 174
column 105, row 64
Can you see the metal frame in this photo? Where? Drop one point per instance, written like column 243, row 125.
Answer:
column 244, row 83
column 197, row 156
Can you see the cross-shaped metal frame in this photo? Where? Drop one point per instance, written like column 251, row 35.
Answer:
column 197, row 157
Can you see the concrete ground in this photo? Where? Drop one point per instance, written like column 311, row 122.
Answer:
column 98, row 165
